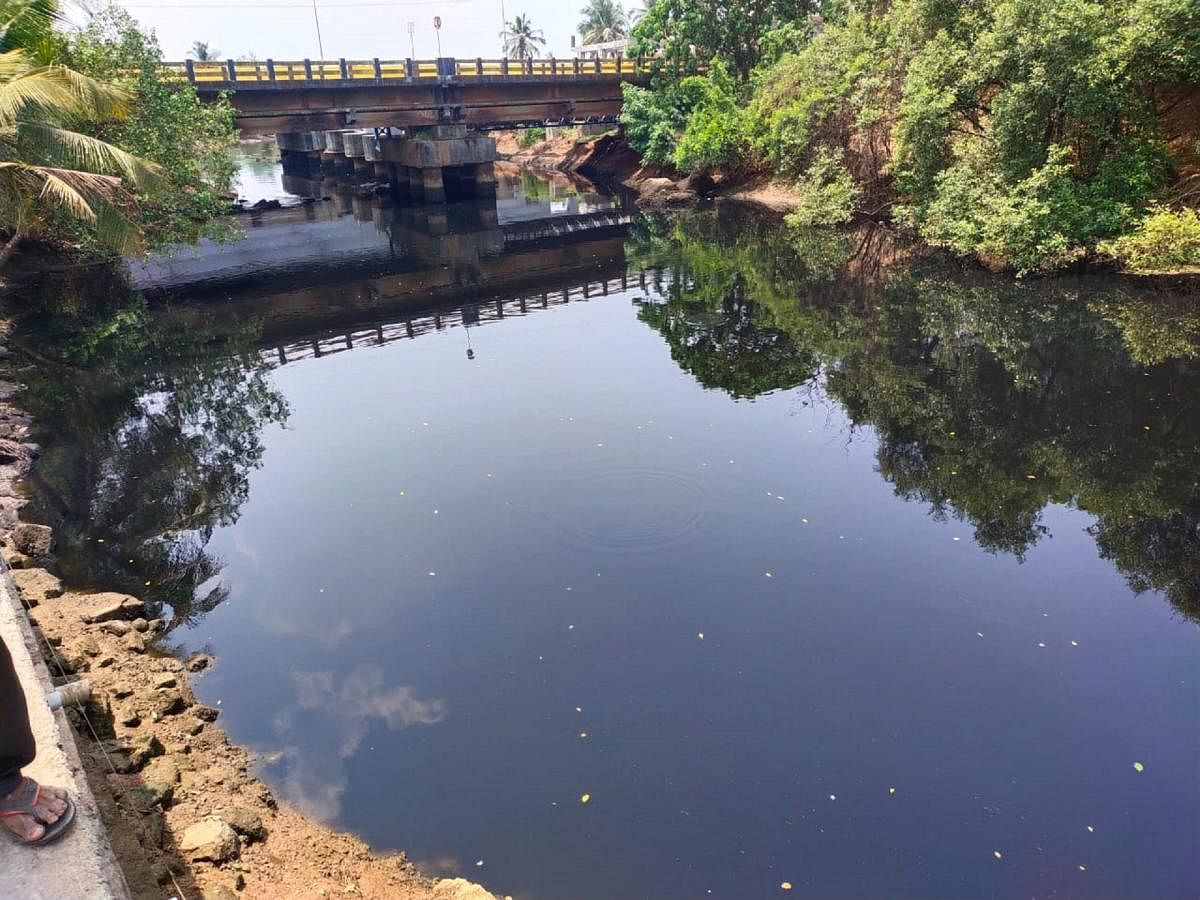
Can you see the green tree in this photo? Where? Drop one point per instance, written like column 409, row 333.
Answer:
column 684, row 32
column 603, row 21
column 47, row 169
column 190, row 140
column 521, row 39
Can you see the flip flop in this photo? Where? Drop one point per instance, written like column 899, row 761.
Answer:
column 24, row 803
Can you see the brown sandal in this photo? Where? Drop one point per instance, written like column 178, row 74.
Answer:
column 25, row 803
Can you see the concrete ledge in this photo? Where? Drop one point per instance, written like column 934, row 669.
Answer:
column 80, row 866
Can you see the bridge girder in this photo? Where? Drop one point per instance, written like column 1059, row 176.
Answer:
column 267, row 107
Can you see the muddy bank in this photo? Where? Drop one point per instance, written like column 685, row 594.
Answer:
column 185, row 813
column 609, row 160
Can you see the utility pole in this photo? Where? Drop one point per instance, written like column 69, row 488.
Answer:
column 412, row 44
column 437, row 27
column 503, row 30
column 317, row 19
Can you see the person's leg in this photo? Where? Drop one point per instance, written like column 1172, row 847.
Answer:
column 17, row 747
column 17, row 750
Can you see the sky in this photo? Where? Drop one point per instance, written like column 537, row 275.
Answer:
column 355, row 29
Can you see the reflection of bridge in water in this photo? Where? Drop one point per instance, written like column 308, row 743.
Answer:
column 355, row 231
column 381, row 333
column 356, row 270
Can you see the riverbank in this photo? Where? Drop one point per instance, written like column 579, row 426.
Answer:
column 609, row 160
column 184, row 812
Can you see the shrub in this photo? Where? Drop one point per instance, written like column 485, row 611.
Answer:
column 527, row 137
column 827, row 192
column 1165, row 239
column 714, row 135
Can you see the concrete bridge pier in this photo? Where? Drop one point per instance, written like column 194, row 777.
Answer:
column 442, row 162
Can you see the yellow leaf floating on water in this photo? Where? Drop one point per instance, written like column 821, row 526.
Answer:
column 1138, row 767
column 785, row 886
column 585, row 798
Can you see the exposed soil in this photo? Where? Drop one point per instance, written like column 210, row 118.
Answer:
column 186, row 816
column 544, row 156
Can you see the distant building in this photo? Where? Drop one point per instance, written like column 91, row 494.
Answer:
column 606, row 50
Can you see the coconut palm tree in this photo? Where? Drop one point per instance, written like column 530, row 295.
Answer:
column 521, row 39
column 636, row 15
column 201, row 52
column 47, row 168
column 603, row 21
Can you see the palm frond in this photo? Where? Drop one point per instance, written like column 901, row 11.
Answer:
column 56, row 93
column 51, row 144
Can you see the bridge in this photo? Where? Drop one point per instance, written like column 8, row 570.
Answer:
column 272, row 96
column 409, row 122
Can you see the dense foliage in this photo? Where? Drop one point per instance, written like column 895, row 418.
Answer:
column 1023, row 132
column 99, row 149
column 49, row 170
column 168, row 125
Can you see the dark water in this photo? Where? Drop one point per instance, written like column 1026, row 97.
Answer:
column 799, row 561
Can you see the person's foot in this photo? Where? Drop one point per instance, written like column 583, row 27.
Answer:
column 51, row 803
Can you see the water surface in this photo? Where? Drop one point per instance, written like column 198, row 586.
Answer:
column 795, row 560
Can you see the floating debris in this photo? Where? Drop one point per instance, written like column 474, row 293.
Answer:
column 785, row 885
column 579, row 709
column 956, row 539
column 979, row 633
column 891, row 790
column 583, row 735
column 479, row 862
column 1138, row 767
column 432, row 573
column 585, row 798
column 833, row 796
column 1074, row 643
column 1040, row 644
column 700, row 634
column 1082, row 867
column 997, row 854
column 768, row 574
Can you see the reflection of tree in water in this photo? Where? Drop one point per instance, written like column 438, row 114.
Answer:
column 715, row 304
column 151, row 432
column 990, row 400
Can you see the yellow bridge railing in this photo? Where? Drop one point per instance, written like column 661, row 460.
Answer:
column 231, row 72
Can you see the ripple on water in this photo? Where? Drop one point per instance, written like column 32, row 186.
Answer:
column 626, row 509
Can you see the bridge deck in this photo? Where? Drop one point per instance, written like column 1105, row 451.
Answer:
column 305, row 95
column 234, row 75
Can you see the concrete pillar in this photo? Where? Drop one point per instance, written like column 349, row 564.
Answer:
column 433, row 188
column 382, row 172
column 485, row 180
